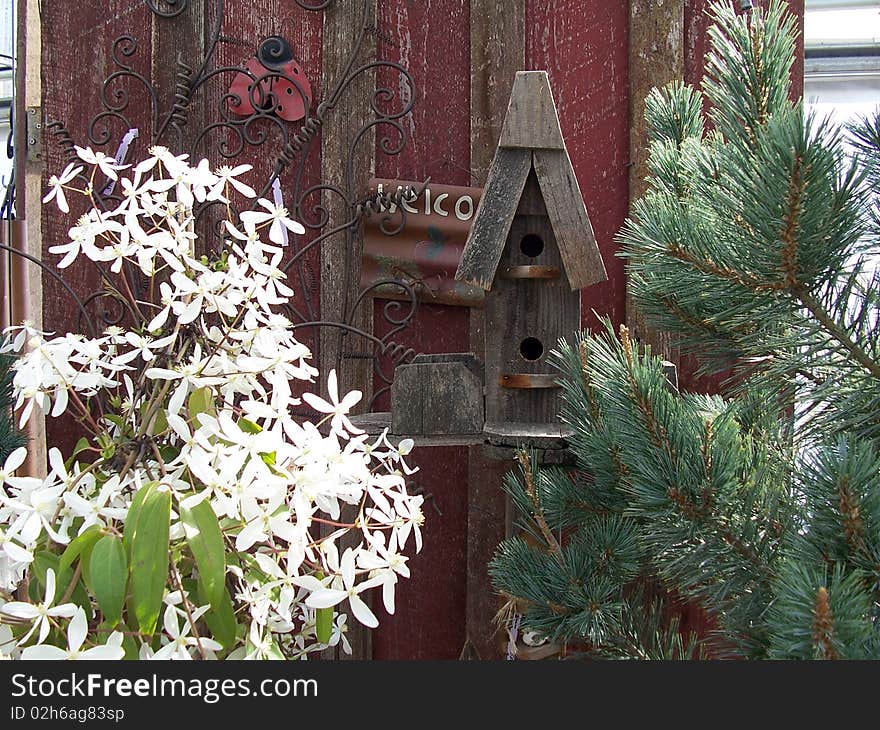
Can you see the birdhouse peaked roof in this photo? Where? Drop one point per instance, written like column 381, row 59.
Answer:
column 531, row 139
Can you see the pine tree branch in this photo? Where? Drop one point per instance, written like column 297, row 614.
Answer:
column 792, row 227
column 707, row 266
column 792, row 281
column 837, row 332
column 587, row 381
column 823, row 625
column 695, row 513
column 850, row 514
column 525, row 462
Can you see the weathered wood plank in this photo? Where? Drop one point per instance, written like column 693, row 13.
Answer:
column 532, row 121
column 525, row 319
column 498, row 52
column 438, row 397
column 544, row 457
column 539, row 435
column 76, row 59
column 482, row 252
column 29, row 204
column 182, row 38
column 375, row 423
column 487, row 527
column 656, row 57
column 341, row 254
column 569, row 218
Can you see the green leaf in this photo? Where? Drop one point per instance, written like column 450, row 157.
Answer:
column 220, row 618
column 205, row 540
column 116, row 420
column 323, row 620
column 160, row 424
column 109, row 576
column 200, row 400
column 324, row 624
column 77, row 546
column 128, row 643
column 134, row 511
column 81, row 446
column 42, row 562
column 149, row 558
column 249, row 426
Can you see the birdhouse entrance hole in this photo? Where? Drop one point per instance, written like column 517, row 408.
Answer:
column 532, row 245
column 531, row 348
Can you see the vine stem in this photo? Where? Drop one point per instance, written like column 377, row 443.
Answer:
column 73, row 581
column 186, row 607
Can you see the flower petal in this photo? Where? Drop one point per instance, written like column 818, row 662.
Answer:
column 43, row 652
column 362, row 612
column 105, row 653
column 325, row 598
column 77, row 630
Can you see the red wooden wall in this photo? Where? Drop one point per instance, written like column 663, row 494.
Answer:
column 583, row 44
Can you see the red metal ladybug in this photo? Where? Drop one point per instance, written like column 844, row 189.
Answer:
column 283, row 87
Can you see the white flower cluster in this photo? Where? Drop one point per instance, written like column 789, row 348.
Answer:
column 197, row 395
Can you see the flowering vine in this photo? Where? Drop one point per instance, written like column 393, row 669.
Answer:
column 199, row 517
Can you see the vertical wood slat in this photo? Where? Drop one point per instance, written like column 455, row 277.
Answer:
column 656, row 57
column 184, row 37
column 29, row 174
column 341, row 26
column 498, row 51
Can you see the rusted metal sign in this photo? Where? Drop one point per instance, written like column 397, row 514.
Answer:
column 425, row 252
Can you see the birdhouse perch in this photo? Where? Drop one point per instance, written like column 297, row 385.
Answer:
column 532, row 249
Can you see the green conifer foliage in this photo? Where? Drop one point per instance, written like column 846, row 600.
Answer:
column 757, row 246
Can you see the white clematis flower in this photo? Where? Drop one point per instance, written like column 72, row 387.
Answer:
column 322, row 597
column 77, row 631
column 41, row 614
column 57, row 183
column 337, row 408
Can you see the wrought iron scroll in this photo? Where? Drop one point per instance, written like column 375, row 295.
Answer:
column 224, row 135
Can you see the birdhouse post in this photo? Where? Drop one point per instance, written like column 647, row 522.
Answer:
column 532, row 249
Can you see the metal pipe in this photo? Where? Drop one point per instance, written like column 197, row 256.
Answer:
column 5, row 274
column 840, row 4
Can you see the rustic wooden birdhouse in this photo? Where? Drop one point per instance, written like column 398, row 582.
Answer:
column 532, row 249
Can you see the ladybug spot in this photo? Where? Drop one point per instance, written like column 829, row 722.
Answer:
column 289, row 90
column 295, row 70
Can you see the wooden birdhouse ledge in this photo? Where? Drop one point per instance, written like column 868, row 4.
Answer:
column 531, row 248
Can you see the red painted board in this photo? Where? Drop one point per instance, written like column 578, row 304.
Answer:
column 429, row 621
column 77, row 41
column 584, row 48
column 431, row 39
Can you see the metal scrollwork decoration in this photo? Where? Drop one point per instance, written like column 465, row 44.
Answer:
column 250, row 114
column 167, row 8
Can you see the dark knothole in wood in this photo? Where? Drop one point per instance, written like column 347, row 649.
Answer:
column 532, row 245
column 531, row 348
